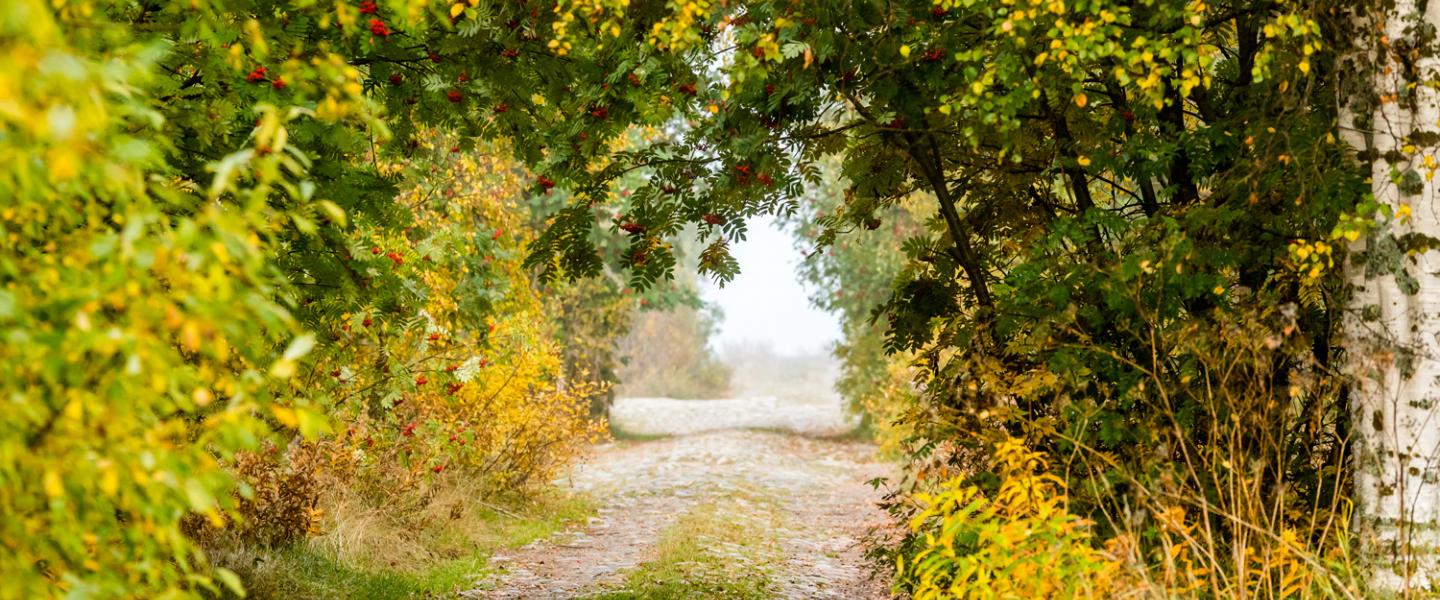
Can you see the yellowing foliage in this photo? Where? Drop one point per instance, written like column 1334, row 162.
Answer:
column 481, row 385
column 1017, row 542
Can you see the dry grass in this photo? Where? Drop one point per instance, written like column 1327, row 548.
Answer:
column 434, row 540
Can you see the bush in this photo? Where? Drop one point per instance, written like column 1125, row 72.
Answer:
column 1016, row 541
column 277, row 502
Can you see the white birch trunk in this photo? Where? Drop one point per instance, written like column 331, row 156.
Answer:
column 1393, row 337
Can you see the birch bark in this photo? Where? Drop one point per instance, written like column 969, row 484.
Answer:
column 1392, row 326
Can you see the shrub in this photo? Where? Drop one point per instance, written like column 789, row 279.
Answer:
column 277, row 503
column 1016, row 541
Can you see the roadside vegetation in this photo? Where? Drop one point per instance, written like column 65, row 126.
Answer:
column 1143, row 285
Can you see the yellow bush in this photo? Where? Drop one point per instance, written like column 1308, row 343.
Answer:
column 1017, row 542
column 474, row 380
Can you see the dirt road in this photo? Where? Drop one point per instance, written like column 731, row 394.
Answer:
column 801, row 501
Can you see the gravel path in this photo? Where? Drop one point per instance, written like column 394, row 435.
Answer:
column 816, row 485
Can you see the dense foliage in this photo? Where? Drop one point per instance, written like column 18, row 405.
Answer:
column 231, row 219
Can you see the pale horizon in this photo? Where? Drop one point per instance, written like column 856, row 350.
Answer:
column 766, row 303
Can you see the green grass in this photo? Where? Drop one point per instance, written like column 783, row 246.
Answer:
column 620, row 435
column 717, row 550
column 457, row 555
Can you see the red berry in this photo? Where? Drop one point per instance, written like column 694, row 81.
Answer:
column 409, row 429
column 335, row 373
column 396, row 79
column 687, row 89
column 713, row 219
column 600, row 112
column 496, row 235
column 278, row 84
column 375, row 250
column 451, row 368
column 501, row 107
column 765, row 179
column 367, row 322
column 433, row 337
column 454, row 96
column 378, row 27
column 438, row 468
column 256, row 76
column 464, row 76
column 434, row 58
column 421, row 380
column 453, row 387
column 633, row 79
column 368, row 7
column 633, row 227
column 509, row 53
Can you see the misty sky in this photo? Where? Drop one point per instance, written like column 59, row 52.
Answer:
column 766, row 302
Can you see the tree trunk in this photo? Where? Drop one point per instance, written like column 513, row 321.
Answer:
column 1392, row 322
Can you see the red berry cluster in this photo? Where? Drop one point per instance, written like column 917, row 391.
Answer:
column 379, row 28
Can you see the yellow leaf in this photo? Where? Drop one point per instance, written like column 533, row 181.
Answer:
column 286, row 416
column 109, row 481
column 54, row 487
column 1081, row 100
column 1084, row 161
column 905, row 51
column 456, row 9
